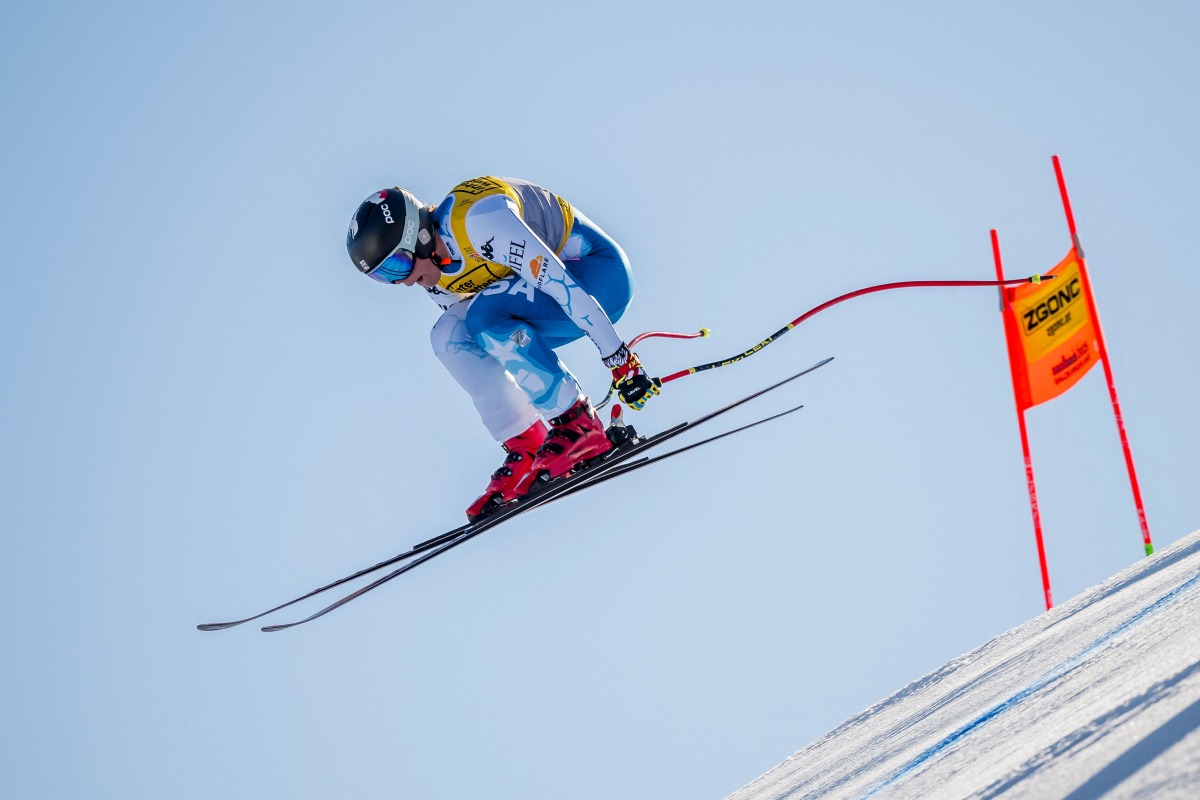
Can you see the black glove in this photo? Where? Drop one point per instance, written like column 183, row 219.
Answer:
column 634, row 386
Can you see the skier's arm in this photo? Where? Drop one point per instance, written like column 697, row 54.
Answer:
column 496, row 219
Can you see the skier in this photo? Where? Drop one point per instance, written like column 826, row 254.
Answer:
column 518, row 272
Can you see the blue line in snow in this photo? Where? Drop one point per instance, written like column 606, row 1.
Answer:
column 1046, row 679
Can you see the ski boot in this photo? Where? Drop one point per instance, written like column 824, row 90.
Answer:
column 576, row 440
column 521, row 450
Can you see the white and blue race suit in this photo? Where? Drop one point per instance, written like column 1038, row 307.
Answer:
column 528, row 273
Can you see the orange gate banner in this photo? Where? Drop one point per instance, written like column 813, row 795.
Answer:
column 1052, row 338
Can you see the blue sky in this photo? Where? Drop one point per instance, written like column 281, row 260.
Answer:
column 206, row 410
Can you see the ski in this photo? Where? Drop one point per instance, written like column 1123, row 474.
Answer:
column 448, row 544
column 619, row 463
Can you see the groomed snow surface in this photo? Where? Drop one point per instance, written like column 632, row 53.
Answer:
column 1099, row 697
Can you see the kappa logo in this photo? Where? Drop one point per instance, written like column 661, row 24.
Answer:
column 488, row 251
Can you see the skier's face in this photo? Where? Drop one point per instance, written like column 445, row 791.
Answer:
column 425, row 272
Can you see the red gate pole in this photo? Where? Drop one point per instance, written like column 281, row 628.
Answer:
column 1108, row 375
column 1029, row 482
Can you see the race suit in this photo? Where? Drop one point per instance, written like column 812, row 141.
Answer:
column 528, row 273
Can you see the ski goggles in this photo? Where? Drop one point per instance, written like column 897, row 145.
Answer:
column 395, row 268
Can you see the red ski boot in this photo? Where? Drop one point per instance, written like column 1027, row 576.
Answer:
column 575, row 436
column 503, row 487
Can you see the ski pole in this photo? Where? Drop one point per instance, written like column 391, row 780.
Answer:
column 841, row 298
column 703, row 333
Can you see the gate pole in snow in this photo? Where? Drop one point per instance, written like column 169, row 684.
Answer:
column 1108, row 375
column 1033, row 502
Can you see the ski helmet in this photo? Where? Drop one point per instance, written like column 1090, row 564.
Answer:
column 389, row 229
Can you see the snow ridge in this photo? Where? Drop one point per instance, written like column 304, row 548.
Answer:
column 1113, row 707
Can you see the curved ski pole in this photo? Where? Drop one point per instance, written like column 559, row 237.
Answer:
column 703, row 333
column 841, row 298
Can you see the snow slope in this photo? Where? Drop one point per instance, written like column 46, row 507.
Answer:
column 1099, row 697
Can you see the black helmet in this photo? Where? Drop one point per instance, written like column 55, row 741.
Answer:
column 388, row 230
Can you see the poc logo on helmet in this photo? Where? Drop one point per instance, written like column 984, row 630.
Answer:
column 379, row 199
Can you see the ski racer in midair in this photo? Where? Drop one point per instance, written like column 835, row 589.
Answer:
column 518, row 272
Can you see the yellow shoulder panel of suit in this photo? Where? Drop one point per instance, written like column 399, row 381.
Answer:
column 477, row 271
column 568, row 222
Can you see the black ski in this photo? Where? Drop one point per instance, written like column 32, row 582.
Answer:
column 452, row 542
column 619, row 463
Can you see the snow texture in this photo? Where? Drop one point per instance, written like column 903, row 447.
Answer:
column 1099, row 697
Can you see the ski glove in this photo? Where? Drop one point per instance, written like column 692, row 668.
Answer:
column 634, row 386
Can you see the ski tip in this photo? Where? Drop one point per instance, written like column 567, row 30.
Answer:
column 820, row 364
column 216, row 626
column 275, row 628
